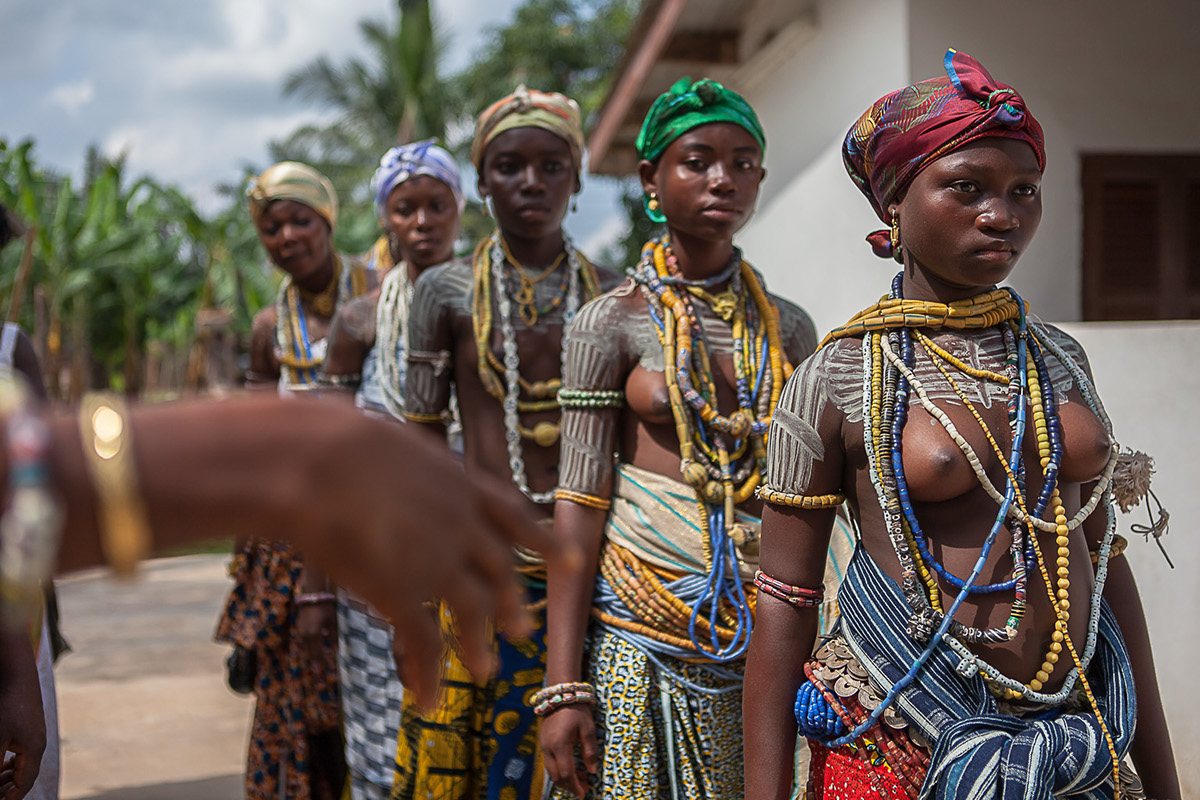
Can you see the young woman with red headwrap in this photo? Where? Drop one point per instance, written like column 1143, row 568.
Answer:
column 979, row 652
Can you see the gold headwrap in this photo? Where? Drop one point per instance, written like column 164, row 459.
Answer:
column 291, row 180
column 529, row 108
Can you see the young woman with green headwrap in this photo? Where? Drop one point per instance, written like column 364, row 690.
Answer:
column 681, row 363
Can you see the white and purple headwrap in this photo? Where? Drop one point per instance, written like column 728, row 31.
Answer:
column 410, row 160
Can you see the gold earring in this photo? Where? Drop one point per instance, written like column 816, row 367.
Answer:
column 894, row 237
column 653, row 204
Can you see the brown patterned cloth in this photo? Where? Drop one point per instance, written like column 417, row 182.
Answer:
column 295, row 740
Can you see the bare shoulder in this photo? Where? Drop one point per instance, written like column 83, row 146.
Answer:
column 447, row 279
column 264, row 367
column 1065, row 342
column 601, row 342
column 609, row 278
column 831, row 375
column 263, row 325
column 606, row 312
column 444, row 286
column 351, row 335
column 796, row 329
column 807, row 423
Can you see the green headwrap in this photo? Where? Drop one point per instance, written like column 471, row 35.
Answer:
column 688, row 105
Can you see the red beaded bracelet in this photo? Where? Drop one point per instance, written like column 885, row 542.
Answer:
column 798, row 596
column 555, row 697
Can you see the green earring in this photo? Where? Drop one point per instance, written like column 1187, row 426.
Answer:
column 653, row 209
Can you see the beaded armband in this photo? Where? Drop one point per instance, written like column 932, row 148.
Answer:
column 797, row 596
column 1119, row 543
column 591, row 398
column 583, row 499
column 440, row 359
column 413, row 416
column 555, row 697
column 781, row 498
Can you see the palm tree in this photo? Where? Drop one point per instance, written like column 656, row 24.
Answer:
column 391, row 96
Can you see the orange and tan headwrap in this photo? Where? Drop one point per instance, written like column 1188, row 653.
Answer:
column 529, row 108
column 291, row 180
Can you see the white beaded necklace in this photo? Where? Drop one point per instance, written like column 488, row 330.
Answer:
column 512, row 361
column 395, row 295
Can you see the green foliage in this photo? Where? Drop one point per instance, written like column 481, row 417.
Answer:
column 393, row 94
column 567, row 46
column 122, row 267
column 119, row 266
column 389, row 96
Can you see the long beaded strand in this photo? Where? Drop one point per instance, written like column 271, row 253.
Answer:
column 948, row 617
column 1048, row 432
column 484, row 286
column 708, row 465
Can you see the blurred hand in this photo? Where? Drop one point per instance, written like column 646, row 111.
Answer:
column 22, row 720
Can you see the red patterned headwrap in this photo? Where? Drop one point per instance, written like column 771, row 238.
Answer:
column 909, row 129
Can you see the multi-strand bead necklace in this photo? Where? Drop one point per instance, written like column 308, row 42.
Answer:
column 722, row 476
column 888, row 331
column 582, row 284
column 293, row 345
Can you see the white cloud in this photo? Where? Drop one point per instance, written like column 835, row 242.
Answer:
column 72, row 97
column 192, row 92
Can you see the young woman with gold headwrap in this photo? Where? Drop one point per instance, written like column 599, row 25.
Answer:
column 280, row 611
column 492, row 328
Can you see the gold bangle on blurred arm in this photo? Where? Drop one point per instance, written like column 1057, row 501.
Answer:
column 108, row 452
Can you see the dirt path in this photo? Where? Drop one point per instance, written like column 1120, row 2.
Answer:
column 143, row 708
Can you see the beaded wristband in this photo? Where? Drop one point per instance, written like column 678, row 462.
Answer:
column 555, row 697
column 583, row 499
column 591, row 398
column 781, row 498
column 108, row 452
column 797, row 596
column 32, row 523
column 315, row 598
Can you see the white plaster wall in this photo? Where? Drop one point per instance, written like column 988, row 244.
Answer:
column 807, row 236
column 1117, row 78
column 1105, row 76
column 1151, row 398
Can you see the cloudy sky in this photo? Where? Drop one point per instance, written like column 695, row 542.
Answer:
column 190, row 89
